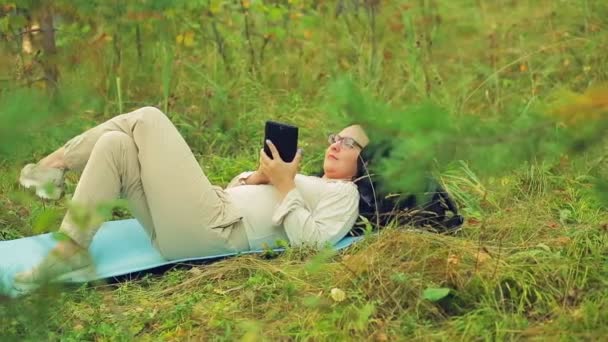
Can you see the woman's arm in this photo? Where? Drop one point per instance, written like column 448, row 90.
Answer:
column 329, row 221
column 248, row 178
column 251, row 177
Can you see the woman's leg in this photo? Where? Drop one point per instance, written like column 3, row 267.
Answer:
column 189, row 217
column 111, row 172
column 75, row 153
column 142, row 157
column 55, row 159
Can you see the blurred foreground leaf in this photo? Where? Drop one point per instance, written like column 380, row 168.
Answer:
column 425, row 138
column 573, row 109
column 20, row 111
column 435, row 293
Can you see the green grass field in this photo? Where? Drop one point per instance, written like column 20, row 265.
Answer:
column 530, row 261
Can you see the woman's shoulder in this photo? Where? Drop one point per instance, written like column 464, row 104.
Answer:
column 343, row 192
column 342, row 187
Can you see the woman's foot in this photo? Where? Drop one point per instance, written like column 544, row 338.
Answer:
column 67, row 260
column 47, row 176
column 48, row 181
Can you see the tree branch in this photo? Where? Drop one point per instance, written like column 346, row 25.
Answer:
column 248, row 36
column 221, row 44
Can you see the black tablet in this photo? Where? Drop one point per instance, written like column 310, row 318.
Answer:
column 284, row 137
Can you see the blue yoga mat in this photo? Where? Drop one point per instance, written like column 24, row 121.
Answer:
column 118, row 248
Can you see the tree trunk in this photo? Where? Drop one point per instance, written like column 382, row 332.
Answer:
column 49, row 63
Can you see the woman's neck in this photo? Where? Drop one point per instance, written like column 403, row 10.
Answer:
column 336, row 178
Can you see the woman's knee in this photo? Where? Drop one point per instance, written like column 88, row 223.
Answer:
column 115, row 140
column 151, row 114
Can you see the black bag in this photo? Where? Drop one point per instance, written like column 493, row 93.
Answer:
column 438, row 212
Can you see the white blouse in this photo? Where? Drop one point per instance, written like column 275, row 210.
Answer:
column 315, row 212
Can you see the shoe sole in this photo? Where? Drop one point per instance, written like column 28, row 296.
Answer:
column 24, row 288
column 29, row 183
column 79, row 275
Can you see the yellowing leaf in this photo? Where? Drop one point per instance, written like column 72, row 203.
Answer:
column 380, row 336
column 186, row 39
column 337, row 295
column 523, row 67
column 215, row 7
column 482, row 256
column 344, row 63
column 170, row 13
column 453, row 259
column 8, row 7
column 576, row 108
column 189, row 39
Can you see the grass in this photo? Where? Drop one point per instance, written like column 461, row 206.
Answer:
column 530, row 262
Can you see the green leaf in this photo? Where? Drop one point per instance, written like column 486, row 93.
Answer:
column 17, row 21
column 275, row 14
column 60, row 236
column 319, row 261
column 363, row 316
column 4, row 24
column 310, row 21
column 279, row 32
column 45, row 220
column 564, row 215
column 399, row 277
column 435, row 293
column 282, row 243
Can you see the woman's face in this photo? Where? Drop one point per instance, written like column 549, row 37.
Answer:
column 342, row 154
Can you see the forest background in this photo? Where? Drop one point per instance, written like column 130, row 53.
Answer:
column 502, row 100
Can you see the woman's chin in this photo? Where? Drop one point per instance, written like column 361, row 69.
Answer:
column 329, row 165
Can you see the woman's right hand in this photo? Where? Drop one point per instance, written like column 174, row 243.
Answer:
column 256, row 178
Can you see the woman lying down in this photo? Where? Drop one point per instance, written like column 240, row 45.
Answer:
column 141, row 157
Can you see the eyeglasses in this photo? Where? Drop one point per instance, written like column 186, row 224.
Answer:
column 347, row 142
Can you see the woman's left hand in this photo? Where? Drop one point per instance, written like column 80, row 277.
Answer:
column 280, row 173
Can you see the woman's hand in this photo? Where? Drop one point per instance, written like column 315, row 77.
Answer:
column 257, row 178
column 279, row 173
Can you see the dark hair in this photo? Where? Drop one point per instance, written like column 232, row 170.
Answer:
column 379, row 206
column 372, row 195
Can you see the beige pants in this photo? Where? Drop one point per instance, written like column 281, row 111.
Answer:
column 142, row 157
